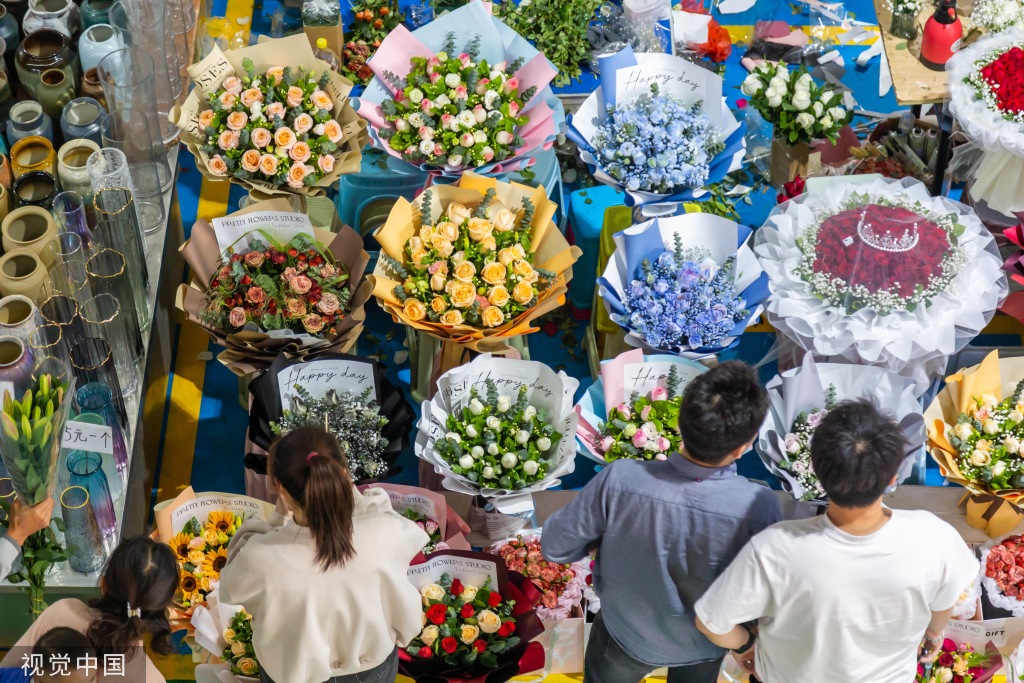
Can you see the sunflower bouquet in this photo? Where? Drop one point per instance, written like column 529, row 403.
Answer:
column 198, row 530
column 202, row 552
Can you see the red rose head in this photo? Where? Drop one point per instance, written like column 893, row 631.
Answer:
column 449, row 645
column 494, row 599
column 945, row 659
column 278, row 258
column 425, row 653
column 507, row 629
column 480, row 645
column 948, row 645
column 436, row 613
column 457, row 588
column 467, row 611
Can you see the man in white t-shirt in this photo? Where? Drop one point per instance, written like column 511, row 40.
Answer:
column 860, row 593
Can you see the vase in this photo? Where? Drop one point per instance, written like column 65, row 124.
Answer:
column 36, row 188
column 34, row 153
column 16, row 361
column 59, row 15
column 90, row 86
column 7, row 100
column 86, row 470
column 31, row 228
column 21, row 272
column 96, row 398
column 41, row 51
column 904, row 25
column 80, row 120
column 72, row 170
column 5, row 202
column 81, row 530
column 18, row 317
column 16, row 9
column 9, row 33
column 6, row 178
column 55, row 91
column 27, row 119
column 95, row 12
column 97, row 42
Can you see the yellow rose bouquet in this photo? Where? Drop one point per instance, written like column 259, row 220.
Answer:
column 473, row 263
column 976, row 435
column 271, row 117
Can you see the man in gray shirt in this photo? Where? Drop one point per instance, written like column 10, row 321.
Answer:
column 665, row 530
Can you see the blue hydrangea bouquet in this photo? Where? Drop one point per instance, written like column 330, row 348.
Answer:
column 687, row 285
column 657, row 128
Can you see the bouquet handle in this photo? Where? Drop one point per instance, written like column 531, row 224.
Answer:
column 996, row 516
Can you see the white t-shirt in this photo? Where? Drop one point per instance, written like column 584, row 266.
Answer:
column 837, row 607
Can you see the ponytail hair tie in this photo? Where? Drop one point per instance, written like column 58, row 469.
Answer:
column 312, row 454
column 137, row 613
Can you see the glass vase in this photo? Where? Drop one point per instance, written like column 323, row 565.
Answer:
column 92, row 361
column 117, row 227
column 96, row 398
column 82, row 530
column 86, row 470
column 904, row 25
column 105, row 319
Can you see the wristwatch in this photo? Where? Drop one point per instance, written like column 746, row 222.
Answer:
column 746, row 646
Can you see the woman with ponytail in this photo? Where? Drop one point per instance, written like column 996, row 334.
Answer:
column 326, row 583
column 136, row 589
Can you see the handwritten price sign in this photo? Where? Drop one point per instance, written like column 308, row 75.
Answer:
column 84, row 436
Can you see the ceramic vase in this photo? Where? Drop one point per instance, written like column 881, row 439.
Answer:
column 72, row 171
column 34, row 153
column 41, row 51
column 35, row 188
column 31, row 228
column 21, row 272
column 27, row 119
column 59, row 15
column 55, row 91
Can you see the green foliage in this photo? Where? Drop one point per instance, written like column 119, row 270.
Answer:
column 558, row 28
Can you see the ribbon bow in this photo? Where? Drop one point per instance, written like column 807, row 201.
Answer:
column 137, row 613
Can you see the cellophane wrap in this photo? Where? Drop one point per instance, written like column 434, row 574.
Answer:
column 829, row 236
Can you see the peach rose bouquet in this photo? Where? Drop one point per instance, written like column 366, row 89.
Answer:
column 271, row 117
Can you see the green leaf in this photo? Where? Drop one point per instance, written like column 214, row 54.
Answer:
column 901, row 46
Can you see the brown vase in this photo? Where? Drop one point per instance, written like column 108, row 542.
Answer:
column 34, row 153
column 21, row 272
column 91, row 87
column 5, row 172
column 41, row 51
column 30, row 228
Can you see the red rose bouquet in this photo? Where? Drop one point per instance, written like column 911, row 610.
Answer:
column 960, row 664
column 561, row 585
column 998, row 83
column 478, row 620
column 882, row 253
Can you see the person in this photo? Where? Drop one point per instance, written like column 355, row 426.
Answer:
column 136, row 589
column 664, row 529
column 63, row 655
column 849, row 594
column 327, row 588
column 22, row 523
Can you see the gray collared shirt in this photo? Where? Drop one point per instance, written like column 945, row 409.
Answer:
column 9, row 554
column 665, row 530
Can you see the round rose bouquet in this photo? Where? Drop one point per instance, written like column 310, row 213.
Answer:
column 988, row 437
column 647, row 427
column 239, row 652
column 430, row 527
column 997, row 81
column 465, row 624
column 959, row 663
column 1003, row 573
column 561, row 585
column 470, row 269
column 296, row 286
column 883, row 253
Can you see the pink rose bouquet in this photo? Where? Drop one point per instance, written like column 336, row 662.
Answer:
column 561, row 585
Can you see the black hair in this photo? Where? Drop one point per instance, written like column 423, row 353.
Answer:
column 62, row 642
column 856, row 451
column 142, row 574
column 721, row 410
column 311, row 466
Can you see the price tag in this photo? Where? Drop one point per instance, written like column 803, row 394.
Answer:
column 84, row 436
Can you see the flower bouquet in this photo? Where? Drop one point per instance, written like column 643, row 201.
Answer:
column 349, row 395
column 271, row 117
column 997, row 15
column 198, row 530
column 265, row 282
column 960, row 663
column 478, row 621
column 464, row 92
column 373, row 21
column 1003, row 573
column 687, row 285
column 473, row 263
column 800, row 398
column 632, row 410
column 987, row 99
column 658, row 128
column 1014, row 266
column 880, row 273
column 975, row 431
column 561, row 585
column 225, row 631
column 498, row 427
column 431, row 512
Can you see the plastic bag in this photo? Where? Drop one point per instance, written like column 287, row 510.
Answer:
column 321, row 13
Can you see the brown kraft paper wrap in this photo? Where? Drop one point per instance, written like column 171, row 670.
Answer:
column 997, row 512
column 250, row 351
column 293, row 51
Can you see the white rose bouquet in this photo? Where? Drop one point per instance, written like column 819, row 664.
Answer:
column 800, row 109
column 499, row 427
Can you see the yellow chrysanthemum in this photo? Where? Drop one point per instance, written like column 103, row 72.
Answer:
column 180, row 545
column 215, row 561
column 221, row 521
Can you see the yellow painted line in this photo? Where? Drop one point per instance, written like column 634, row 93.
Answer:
column 189, row 374
column 744, row 33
